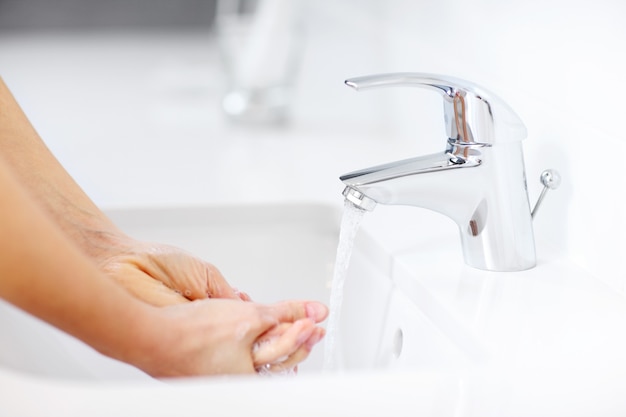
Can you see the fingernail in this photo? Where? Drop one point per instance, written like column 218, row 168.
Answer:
column 316, row 311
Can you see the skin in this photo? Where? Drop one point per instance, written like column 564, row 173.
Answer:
column 151, row 305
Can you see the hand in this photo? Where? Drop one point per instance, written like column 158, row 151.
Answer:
column 266, row 352
column 162, row 274
column 218, row 336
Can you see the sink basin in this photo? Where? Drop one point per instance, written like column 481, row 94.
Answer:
column 435, row 336
column 273, row 252
column 400, row 310
column 277, row 252
column 382, row 327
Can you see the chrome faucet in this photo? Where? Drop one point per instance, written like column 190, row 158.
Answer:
column 479, row 179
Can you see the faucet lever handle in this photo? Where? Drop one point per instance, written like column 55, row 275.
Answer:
column 551, row 180
column 471, row 113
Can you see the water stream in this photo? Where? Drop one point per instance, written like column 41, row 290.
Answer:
column 350, row 223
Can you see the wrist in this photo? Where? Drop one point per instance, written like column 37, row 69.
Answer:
column 133, row 339
column 151, row 341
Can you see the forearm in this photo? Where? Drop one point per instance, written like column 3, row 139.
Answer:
column 141, row 267
column 42, row 272
column 36, row 168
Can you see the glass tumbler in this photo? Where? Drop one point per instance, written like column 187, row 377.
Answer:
column 260, row 43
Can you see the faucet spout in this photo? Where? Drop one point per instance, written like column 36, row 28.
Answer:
column 396, row 183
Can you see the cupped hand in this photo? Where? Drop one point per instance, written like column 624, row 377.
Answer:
column 226, row 336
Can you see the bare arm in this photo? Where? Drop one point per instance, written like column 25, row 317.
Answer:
column 41, row 272
column 150, row 271
column 53, row 188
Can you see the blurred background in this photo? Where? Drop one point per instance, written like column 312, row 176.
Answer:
column 129, row 96
column 42, row 15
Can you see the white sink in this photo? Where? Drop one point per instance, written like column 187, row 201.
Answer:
column 409, row 303
column 433, row 334
column 273, row 252
column 282, row 251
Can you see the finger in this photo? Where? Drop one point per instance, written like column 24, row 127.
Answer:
column 217, row 286
column 193, row 277
column 175, row 268
column 290, row 364
column 275, row 369
column 242, row 295
column 274, row 347
column 316, row 311
column 291, row 311
column 146, row 288
column 273, row 333
column 197, row 280
column 281, row 341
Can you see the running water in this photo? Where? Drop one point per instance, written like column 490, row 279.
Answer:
column 350, row 223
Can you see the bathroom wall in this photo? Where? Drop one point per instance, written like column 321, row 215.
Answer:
column 560, row 65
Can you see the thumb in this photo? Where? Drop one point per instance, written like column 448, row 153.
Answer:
column 291, row 311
